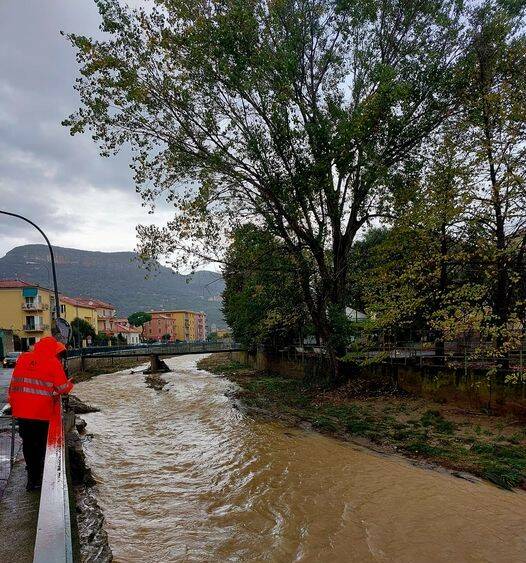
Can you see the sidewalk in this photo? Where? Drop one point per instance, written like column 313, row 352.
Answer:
column 18, row 518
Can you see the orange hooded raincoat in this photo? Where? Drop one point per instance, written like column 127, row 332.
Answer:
column 38, row 377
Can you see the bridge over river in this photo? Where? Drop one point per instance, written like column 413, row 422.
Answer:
column 154, row 351
column 158, row 349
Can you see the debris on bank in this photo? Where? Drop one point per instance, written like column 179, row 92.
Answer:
column 79, row 407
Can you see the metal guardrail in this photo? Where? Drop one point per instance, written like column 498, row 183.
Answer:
column 8, row 448
column 472, row 356
column 53, row 540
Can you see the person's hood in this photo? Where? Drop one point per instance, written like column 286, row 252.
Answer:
column 49, row 346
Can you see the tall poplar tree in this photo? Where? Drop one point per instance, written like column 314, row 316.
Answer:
column 292, row 114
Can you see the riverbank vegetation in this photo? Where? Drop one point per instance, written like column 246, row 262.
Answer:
column 493, row 448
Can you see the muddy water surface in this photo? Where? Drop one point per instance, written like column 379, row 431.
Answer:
column 183, row 476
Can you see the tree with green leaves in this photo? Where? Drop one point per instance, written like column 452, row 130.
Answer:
column 262, row 301
column 486, row 299
column 140, row 318
column 366, row 256
column 495, row 132
column 411, row 270
column 459, row 240
column 294, row 115
column 81, row 329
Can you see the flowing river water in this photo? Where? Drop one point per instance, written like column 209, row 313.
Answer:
column 184, row 476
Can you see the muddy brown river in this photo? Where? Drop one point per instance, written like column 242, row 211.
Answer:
column 184, row 476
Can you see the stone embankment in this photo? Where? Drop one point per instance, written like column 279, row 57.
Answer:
column 97, row 366
column 93, row 542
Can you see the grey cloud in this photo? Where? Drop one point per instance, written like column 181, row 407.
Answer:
column 39, row 160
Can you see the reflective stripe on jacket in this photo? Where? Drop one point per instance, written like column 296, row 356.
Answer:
column 37, row 377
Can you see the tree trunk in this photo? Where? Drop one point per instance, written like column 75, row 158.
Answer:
column 442, row 287
column 500, row 300
column 328, row 293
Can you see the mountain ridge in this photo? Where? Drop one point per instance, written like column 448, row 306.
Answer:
column 117, row 277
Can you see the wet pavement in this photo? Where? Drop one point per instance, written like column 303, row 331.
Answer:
column 18, row 518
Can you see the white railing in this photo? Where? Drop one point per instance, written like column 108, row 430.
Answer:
column 34, row 306
column 35, row 327
column 53, row 541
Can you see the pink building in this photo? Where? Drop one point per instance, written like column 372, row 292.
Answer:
column 200, row 326
column 158, row 327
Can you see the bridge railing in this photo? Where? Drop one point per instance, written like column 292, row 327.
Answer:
column 9, row 444
column 53, row 540
column 160, row 348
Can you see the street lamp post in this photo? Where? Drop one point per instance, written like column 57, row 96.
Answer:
column 55, row 286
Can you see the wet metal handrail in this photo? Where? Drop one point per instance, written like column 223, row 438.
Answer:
column 7, row 447
column 53, row 541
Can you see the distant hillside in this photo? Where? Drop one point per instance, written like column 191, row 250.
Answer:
column 116, row 277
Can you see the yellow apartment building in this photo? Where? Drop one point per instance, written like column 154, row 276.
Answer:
column 187, row 325
column 28, row 310
column 72, row 308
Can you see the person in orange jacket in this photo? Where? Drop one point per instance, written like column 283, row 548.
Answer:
column 37, row 379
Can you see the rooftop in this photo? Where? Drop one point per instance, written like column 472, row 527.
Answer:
column 96, row 303
column 116, row 328
column 177, row 311
column 14, row 284
column 78, row 302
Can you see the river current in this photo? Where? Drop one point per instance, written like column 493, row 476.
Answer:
column 184, row 476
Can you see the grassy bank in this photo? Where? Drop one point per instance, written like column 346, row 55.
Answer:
column 117, row 364
column 493, row 448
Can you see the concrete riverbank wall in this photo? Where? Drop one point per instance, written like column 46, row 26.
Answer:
column 77, row 365
column 469, row 388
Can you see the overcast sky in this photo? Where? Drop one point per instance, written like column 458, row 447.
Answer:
column 79, row 198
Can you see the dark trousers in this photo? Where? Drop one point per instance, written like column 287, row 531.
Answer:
column 34, row 440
